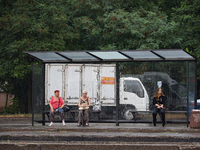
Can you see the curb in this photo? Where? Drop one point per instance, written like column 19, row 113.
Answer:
column 92, row 129
column 84, row 146
column 102, row 138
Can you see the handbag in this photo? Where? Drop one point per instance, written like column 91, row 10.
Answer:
column 97, row 106
column 66, row 108
column 83, row 108
column 60, row 110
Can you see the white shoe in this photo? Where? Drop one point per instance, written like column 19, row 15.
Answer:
column 51, row 124
column 63, row 123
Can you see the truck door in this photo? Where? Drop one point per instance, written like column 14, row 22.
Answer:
column 73, row 83
column 54, row 80
column 107, row 88
column 90, row 83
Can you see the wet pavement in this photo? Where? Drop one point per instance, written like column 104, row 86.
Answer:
column 105, row 135
column 99, row 130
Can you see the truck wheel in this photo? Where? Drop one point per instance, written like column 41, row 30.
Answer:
column 128, row 115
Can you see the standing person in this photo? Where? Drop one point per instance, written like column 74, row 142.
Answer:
column 56, row 102
column 83, row 104
column 159, row 106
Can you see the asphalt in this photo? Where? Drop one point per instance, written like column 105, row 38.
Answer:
column 22, row 135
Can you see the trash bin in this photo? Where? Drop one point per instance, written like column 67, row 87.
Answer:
column 195, row 118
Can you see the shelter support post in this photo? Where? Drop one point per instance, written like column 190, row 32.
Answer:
column 117, row 93
column 187, row 92
column 195, row 82
column 43, row 94
column 32, row 95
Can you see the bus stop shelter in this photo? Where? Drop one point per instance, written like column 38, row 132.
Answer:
column 117, row 57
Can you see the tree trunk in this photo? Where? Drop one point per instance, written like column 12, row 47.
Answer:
column 6, row 100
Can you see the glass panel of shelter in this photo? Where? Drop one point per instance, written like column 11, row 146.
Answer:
column 141, row 55
column 191, row 87
column 37, row 95
column 47, row 56
column 145, row 77
column 173, row 54
column 109, row 55
column 78, row 56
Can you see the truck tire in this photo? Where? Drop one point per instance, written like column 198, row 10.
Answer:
column 127, row 114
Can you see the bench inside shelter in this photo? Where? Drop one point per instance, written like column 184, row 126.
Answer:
column 135, row 113
column 73, row 113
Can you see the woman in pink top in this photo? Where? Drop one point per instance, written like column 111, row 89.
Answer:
column 56, row 102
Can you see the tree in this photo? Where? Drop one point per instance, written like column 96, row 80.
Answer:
column 29, row 25
column 60, row 25
column 116, row 25
column 188, row 18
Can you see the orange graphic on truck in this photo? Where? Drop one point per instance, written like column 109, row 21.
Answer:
column 108, row 80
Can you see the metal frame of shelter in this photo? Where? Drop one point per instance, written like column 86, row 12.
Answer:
column 163, row 55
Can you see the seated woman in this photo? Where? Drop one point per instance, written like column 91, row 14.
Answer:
column 83, row 104
column 159, row 106
column 56, row 102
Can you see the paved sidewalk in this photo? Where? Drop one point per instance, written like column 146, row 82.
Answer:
column 100, row 130
column 102, row 135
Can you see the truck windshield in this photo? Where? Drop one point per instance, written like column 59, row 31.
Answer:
column 134, row 86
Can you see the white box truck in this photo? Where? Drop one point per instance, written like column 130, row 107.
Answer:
column 99, row 81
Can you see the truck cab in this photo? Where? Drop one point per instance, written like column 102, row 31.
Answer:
column 133, row 96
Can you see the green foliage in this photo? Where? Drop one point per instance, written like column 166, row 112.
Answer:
column 188, row 18
column 58, row 25
column 29, row 25
column 130, row 25
column 61, row 25
column 13, row 107
column 140, row 29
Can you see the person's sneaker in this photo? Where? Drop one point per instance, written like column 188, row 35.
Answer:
column 63, row 123
column 51, row 124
